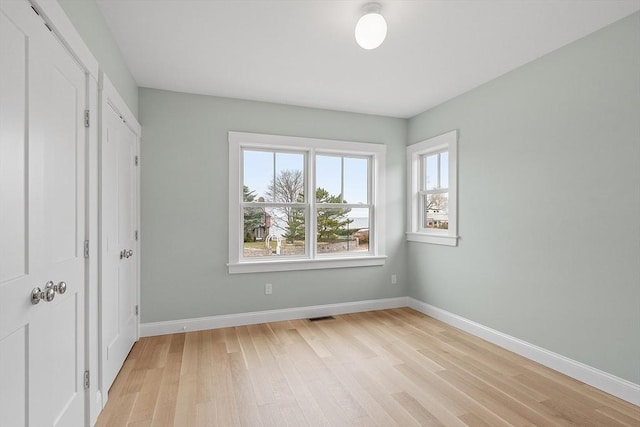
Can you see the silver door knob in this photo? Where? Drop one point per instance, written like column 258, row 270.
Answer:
column 36, row 295
column 48, row 294
column 49, row 291
column 129, row 253
column 61, row 288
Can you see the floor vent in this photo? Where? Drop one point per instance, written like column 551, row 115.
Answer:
column 315, row 319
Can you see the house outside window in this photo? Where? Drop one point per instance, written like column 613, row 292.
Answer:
column 303, row 203
column 432, row 190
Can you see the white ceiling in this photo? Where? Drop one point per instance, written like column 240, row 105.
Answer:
column 303, row 52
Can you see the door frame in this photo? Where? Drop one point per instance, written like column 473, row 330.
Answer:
column 108, row 97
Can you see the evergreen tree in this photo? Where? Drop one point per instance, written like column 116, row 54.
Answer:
column 332, row 222
column 294, row 229
column 253, row 217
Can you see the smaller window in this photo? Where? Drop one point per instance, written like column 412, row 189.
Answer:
column 432, row 198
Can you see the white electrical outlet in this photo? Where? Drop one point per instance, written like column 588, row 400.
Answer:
column 394, row 279
column 268, row 288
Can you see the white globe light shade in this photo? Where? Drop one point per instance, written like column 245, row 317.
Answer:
column 371, row 31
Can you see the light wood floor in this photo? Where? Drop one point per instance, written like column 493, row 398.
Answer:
column 383, row 368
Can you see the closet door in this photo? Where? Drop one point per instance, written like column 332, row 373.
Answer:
column 119, row 289
column 42, row 224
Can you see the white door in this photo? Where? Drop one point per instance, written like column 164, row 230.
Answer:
column 119, row 266
column 42, row 223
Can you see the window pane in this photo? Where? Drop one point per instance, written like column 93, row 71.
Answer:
column 436, row 211
column 329, row 177
column 258, row 173
column 430, row 172
column 444, row 170
column 274, row 232
column 289, row 185
column 342, row 230
column 356, row 173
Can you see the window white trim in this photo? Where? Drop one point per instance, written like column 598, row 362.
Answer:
column 293, row 264
column 376, row 152
column 415, row 232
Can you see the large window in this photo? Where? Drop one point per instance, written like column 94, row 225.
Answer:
column 432, row 190
column 302, row 203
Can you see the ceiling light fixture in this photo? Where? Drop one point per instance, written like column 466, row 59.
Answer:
column 371, row 28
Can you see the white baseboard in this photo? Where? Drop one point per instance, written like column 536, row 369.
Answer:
column 252, row 318
column 611, row 384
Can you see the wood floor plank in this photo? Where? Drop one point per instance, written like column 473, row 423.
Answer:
column 417, row 411
column 527, row 399
column 187, row 395
column 224, row 386
column 145, row 402
column 472, row 420
column 454, row 401
column 382, row 368
column 344, row 374
column 165, row 410
column 305, row 399
column 245, row 398
column 618, row 416
column 497, row 402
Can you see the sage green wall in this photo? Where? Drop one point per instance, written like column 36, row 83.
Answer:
column 86, row 17
column 549, row 203
column 185, row 190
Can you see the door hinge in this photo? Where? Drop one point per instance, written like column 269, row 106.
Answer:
column 87, row 381
column 137, row 310
column 86, row 249
column 136, row 160
column 46, row 24
column 136, row 234
column 86, row 118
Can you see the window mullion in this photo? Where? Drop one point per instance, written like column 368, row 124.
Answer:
column 439, row 157
column 272, row 205
column 310, row 235
column 370, row 181
column 240, row 213
column 423, row 172
column 435, row 191
column 341, row 179
column 274, row 178
column 344, row 205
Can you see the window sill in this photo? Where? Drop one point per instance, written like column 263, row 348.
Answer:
column 435, row 239
column 305, row 264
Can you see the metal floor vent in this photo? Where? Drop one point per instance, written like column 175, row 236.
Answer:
column 315, row 319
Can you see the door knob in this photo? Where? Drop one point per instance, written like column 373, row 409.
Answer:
column 126, row 253
column 61, row 288
column 48, row 294
column 36, row 295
